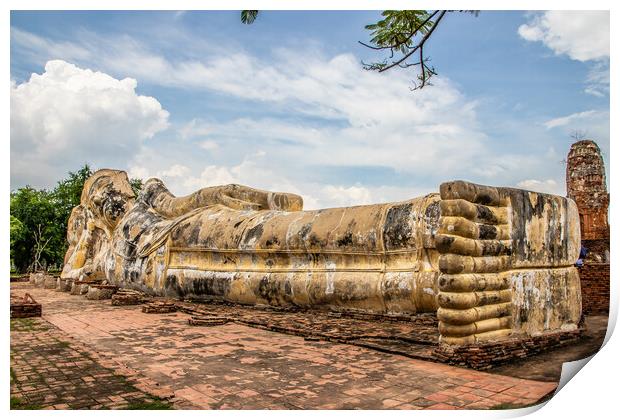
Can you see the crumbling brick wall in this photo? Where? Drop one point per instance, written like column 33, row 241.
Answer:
column 594, row 288
column 585, row 183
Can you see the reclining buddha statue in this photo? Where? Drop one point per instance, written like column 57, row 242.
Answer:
column 491, row 262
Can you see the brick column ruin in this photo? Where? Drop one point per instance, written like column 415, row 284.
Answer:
column 585, row 183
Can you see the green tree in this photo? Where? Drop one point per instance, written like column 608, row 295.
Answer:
column 136, row 185
column 17, row 231
column 40, row 233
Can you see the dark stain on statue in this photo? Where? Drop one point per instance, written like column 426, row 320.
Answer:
column 523, row 315
column 253, row 234
column 315, row 258
column 397, row 232
column 485, row 215
column 315, row 241
column 487, row 231
column 484, row 199
column 288, row 290
column 194, row 234
column 177, row 233
column 443, row 243
column 273, row 241
column 126, row 230
column 346, row 240
column 268, row 290
column 524, row 212
column 133, row 276
column 305, row 230
column 495, row 248
column 211, row 286
column 149, row 266
column 171, row 284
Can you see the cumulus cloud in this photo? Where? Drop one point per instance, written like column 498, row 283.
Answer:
column 582, row 35
column 343, row 196
column 549, row 186
column 319, row 127
column 176, row 171
column 68, row 115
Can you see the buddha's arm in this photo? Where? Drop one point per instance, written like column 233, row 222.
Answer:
column 234, row 196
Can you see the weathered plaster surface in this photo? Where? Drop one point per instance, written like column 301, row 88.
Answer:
column 491, row 261
column 506, row 263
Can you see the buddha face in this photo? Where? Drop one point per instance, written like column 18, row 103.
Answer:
column 109, row 195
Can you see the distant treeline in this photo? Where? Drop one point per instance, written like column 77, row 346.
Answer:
column 39, row 221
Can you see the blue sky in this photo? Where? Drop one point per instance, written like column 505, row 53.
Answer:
column 198, row 99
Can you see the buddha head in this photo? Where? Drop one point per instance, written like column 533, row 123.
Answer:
column 108, row 194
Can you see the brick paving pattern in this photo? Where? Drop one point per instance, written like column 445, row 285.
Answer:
column 49, row 372
column 235, row 366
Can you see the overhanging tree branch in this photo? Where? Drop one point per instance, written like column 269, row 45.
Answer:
column 420, row 45
column 398, row 32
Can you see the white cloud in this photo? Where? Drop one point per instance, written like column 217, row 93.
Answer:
column 592, row 124
column 209, row 145
column 342, row 196
column 67, row 116
column 562, row 121
column 549, row 186
column 327, row 87
column 359, row 120
column 582, row 35
column 175, row 171
column 597, row 82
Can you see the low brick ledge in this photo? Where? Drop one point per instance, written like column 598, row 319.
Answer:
column 25, row 307
column 483, row 356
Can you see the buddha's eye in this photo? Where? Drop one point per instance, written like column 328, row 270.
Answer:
column 97, row 200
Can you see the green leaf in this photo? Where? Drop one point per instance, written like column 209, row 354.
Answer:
column 248, row 16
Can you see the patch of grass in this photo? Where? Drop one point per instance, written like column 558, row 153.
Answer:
column 63, row 344
column 19, row 404
column 507, row 406
column 22, row 324
column 156, row 404
column 27, row 324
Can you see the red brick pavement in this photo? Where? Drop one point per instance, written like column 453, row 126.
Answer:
column 49, row 371
column 237, row 367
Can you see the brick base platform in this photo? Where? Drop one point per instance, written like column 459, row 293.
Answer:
column 487, row 355
column 125, row 297
column 159, row 308
column 100, row 291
